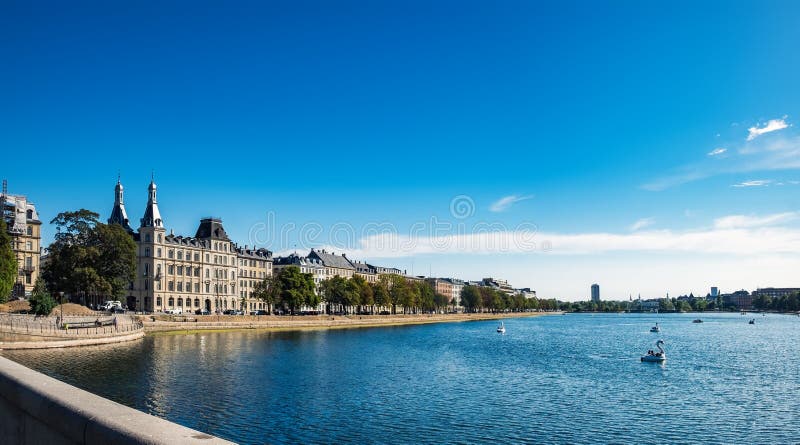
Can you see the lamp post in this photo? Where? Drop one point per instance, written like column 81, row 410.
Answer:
column 61, row 305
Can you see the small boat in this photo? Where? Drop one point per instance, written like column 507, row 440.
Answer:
column 502, row 328
column 656, row 357
column 655, row 328
column 752, row 321
column 697, row 320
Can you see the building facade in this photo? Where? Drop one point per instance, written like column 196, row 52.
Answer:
column 334, row 264
column 25, row 229
column 186, row 274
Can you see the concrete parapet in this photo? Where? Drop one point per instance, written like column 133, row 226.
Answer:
column 37, row 409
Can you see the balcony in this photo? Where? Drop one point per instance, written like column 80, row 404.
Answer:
column 27, row 269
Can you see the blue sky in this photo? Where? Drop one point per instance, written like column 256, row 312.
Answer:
column 619, row 131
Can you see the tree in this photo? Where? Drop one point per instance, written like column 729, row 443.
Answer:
column 266, row 290
column 365, row 294
column 471, row 298
column 8, row 263
column 41, row 302
column 380, row 291
column 398, row 291
column 88, row 257
column 294, row 288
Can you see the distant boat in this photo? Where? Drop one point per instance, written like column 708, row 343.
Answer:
column 502, row 328
column 655, row 328
column 656, row 357
column 697, row 320
column 752, row 321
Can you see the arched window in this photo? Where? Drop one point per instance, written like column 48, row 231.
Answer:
column 159, row 237
column 29, row 214
column 171, row 302
column 196, row 302
column 158, row 302
column 180, row 302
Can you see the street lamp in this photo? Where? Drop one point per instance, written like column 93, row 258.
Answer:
column 61, row 304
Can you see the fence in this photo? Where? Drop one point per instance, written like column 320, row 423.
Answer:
column 70, row 326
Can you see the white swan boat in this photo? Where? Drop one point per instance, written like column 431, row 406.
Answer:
column 655, row 328
column 502, row 328
column 656, row 357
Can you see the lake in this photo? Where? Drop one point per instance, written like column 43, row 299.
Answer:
column 575, row 378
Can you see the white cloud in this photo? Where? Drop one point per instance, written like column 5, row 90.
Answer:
column 506, row 202
column 642, row 223
column 772, row 125
column 754, row 183
column 750, row 221
column 717, row 151
column 743, row 235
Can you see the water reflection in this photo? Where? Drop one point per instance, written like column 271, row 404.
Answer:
column 572, row 379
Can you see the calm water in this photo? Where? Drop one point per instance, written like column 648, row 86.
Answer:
column 556, row 379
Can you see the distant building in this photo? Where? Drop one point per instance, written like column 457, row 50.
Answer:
column 596, row 293
column 334, row 264
column 501, row 285
column 456, row 286
column 442, row 286
column 776, row 292
column 740, row 299
column 25, row 229
column 714, row 291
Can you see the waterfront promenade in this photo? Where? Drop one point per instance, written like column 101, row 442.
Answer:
column 191, row 323
column 21, row 331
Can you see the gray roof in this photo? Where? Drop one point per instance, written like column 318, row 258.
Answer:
column 331, row 259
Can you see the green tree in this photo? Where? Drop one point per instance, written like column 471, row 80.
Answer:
column 88, row 257
column 366, row 296
column 41, row 302
column 294, row 288
column 8, row 263
column 399, row 291
column 471, row 298
column 380, row 291
column 267, row 291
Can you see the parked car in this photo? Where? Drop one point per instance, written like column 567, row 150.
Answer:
column 228, row 312
column 385, row 313
column 259, row 312
column 175, row 311
column 202, row 312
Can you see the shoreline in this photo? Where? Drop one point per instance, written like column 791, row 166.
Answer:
column 312, row 323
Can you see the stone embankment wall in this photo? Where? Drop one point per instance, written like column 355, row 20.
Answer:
column 31, row 332
column 35, row 408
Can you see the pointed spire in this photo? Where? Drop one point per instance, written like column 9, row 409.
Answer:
column 118, row 213
column 152, row 217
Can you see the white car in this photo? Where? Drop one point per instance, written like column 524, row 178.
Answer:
column 175, row 311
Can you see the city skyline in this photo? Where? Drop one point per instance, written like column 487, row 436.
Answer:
column 636, row 152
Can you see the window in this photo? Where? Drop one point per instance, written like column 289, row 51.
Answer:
column 171, row 302
column 188, row 271
column 158, row 252
column 147, row 238
column 208, row 288
column 180, row 270
column 171, row 286
column 30, row 230
column 147, row 251
column 158, row 302
column 146, row 269
column 197, row 288
column 28, row 279
column 196, row 302
column 180, row 286
column 207, row 257
column 197, row 271
column 197, row 257
column 207, row 273
column 159, row 237
column 170, row 253
column 171, row 269
column 180, row 302
column 146, row 284
column 180, row 254
column 158, row 285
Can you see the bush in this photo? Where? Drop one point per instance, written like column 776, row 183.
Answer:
column 41, row 301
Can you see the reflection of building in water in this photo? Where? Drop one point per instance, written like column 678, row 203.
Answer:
column 25, row 229
column 188, row 273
